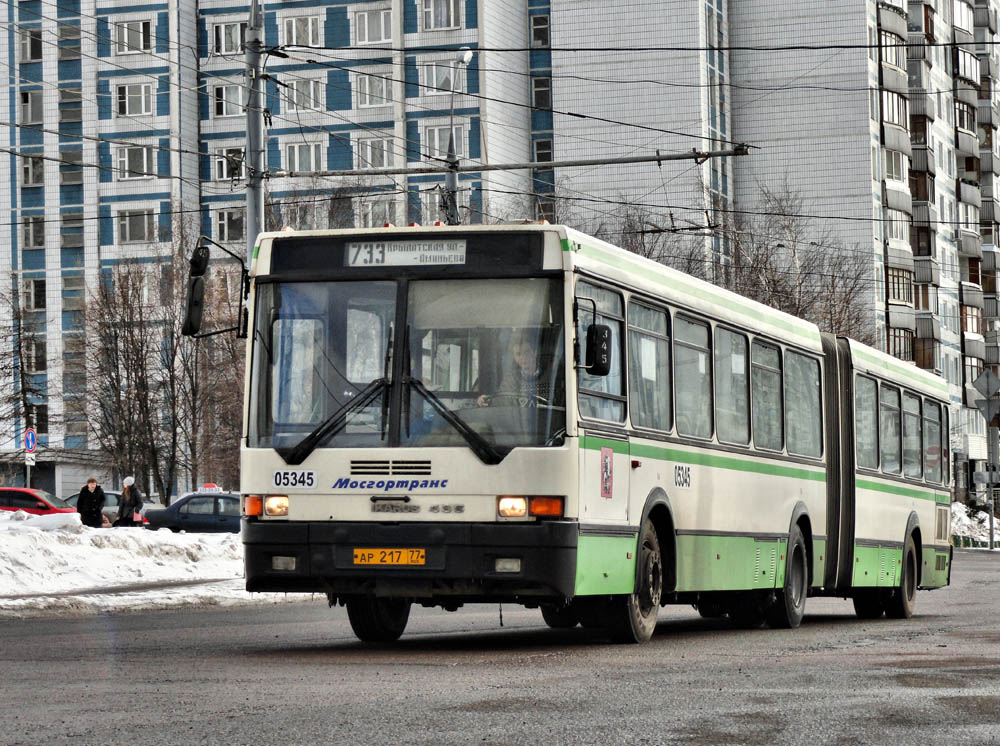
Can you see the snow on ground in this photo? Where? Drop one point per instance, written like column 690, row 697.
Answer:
column 53, row 562
column 977, row 525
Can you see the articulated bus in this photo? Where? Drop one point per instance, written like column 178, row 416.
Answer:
column 526, row 414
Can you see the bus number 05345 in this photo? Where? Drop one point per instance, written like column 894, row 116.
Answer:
column 286, row 478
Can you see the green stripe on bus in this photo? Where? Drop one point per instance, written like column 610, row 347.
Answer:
column 893, row 489
column 904, row 371
column 256, row 250
column 704, row 459
column 703, row 293
column 567, row 245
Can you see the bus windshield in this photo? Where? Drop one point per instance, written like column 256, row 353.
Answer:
column 484, row 356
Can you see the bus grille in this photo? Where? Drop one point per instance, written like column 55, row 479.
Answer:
column 387, row 468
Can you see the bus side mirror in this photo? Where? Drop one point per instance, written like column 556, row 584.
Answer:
column 195, row 291
column 598, row 353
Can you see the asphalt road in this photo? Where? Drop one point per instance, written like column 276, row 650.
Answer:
column 294, row 674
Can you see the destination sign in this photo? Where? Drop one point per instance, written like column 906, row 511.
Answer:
column 406, row 253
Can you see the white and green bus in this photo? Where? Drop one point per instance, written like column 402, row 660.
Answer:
column 525, row 414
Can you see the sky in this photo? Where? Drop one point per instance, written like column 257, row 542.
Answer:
column 53, row 564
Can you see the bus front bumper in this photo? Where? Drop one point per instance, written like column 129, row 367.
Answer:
column 460, row 559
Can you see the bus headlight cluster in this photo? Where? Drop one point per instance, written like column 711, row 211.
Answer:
column 272, row 505
column 522, row 506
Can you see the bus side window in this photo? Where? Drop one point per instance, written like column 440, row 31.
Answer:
column 693, row 377
column 803, row 407
column 866, row 422
column 649, row 367
column 932, row 441
column 889, row 429
column 603, row 397
column 768, row 419
column 732, row 404
column 912, row 448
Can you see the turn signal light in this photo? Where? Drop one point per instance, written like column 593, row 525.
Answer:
column 253, row 505
column 547, row 506
column 519, row 506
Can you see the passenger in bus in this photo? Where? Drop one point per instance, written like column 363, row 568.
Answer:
column 524, row 384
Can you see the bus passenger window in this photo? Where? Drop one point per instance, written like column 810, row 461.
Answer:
column 889, row 429
column 933, row 455
column 766, row 397
column 602, row 397
column 693, row 378
column 732, row 403
column 649, row 367
column 866, row 422
column 912, row 450
column 803, row 410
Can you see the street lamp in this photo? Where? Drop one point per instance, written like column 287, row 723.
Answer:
column 463, row 57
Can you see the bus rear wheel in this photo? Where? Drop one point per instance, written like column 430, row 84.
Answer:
column 900, row 604
column 789, row 605
column 377, row 619
column 868, row 603
column 632, row 618
column 560, row 617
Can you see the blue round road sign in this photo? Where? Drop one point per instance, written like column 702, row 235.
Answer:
column 30, row 440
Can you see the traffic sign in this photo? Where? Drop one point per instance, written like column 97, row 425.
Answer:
column 987, row 384
column 29, row 459
column 30, row 440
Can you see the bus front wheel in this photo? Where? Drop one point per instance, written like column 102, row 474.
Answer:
column 900, row 604
column 560, row 617
column 377, row 619
column 632, row 618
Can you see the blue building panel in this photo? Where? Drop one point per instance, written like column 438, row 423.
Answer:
column 162, row 32
column 104, row 161
column 412, row 141
column 203, row 38
column 29, row 10
column 206, row 222
column 163, row 96
column 474, row 138
column 71, row 259
column 273, row 100
column 166, row 231
column 412, row 78
column 541, row 120
column 204, row 168
column 106, row 226
column 30, row 72
column 163, row 158
column 337, row 30
column 540, row 59
column 338, row 153
column 409, row 16
column 103, row 99
column 72, row 321
column 273, row 154
column 33, row 259
column 413, row 205
column 471, row 14
column 472, row 75
column 203, row 101
column 70, row 131
column 338, row 90
column 270, row 29
column 103, row 37
column 476, row 203
column 31, row 136
column 71, row 194
column 70, row 70
column 68, row 9
column 33, row 196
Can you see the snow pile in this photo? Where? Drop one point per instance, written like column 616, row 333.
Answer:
column 53, row 561
column 976, row 526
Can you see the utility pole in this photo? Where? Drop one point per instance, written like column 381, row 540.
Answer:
column 450, row 202
column 255, row 128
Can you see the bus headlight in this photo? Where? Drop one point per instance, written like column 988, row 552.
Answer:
column 512, row 506
column 276, row 505
column 519, row 506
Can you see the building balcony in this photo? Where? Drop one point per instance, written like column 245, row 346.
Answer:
column 989, row 211
column 974, row 346
column 928, row 326
column 967, row 143
column 970, row 294
column 986, row 115
column 969, row 244
column 922, row 159
column 989, row 260
column 991, row 309
column 969, row 192
column 985, row 17
column 925, row 215
column 988, row 164
column 926, row 270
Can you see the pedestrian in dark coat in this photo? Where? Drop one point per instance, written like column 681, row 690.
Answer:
column 90, row 504
column 131, row 503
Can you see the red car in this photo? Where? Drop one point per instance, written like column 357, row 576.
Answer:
column 36, row 502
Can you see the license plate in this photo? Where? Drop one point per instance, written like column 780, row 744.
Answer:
column 390, row 556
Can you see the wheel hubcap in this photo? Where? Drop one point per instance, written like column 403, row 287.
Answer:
column 652, row 581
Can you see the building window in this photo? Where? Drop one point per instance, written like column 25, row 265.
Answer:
column 32, row 171
column 543, row 151
column 901, row 344
column 135, row 99
column 231, row 224
column 968, row 217
column 440, row 14
column 376, row 212
column 897, row 166
column 33, row 231
column 69, row 41
column 893, row 50
column 965, row 117
column 922, row 187
column 33, row 298
column 135, row 163
column 303, row 157
column 302, row 31
column 230, row 38
column 926, row 353
column 539, row 31
column 132, row 37
column 545, row 209
column 442, row 77
column 925, row 298
column 963, row 16
column 31, row 44
column 35, row 360
column 897, row 225
column 31, row 107
column 895, row 109
column 373, row 26
column 135, row 225
column 72, row 171
column 303, row 95
column 71, row 104
column 373, row 90
column 973, row 368
column 972, row 320
column 432, row 204
column 37, row 417
column 228, row 100
column 437, row 141
column 967, row 65
column 374, row 153
column 230, row 164
column 541, row 93
column 900, row 284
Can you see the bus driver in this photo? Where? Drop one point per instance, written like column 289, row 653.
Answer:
column 523, row 383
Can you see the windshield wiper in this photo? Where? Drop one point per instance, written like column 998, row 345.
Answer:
column 486, row 451
column 333, row 424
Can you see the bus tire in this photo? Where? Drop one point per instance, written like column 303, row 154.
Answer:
column 868, row 603
column 632, row 618
column 377, row 619
column 899, row 605
column 789, row 605
column 560, row 617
